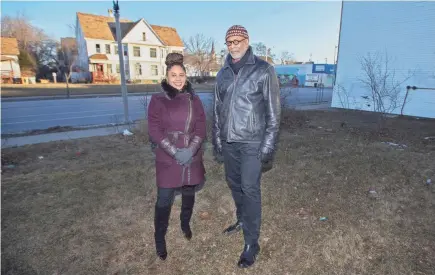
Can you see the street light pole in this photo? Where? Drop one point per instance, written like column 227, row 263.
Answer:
column 121, row 61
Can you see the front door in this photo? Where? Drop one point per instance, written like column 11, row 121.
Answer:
column 100, row 69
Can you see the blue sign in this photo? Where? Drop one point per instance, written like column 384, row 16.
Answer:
column 324, row 69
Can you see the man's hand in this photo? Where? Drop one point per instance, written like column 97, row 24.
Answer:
column 265, row 154
column 183, row 155
column 218, row 156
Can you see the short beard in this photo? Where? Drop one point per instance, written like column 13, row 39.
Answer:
column 239, row 56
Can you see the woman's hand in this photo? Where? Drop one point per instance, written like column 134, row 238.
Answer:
column 183, row 155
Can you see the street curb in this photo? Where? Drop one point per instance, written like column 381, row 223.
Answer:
column 31, row 98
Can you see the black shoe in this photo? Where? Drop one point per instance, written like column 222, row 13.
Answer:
column 187, row 233
column 249, row 255
column 187, row 202
column 161, row 222
column 233, row 228
column 162, row 254
column 161, row 246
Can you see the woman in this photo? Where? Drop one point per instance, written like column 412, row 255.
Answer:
column 177, row 127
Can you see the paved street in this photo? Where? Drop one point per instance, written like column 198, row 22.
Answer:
column 21, row 116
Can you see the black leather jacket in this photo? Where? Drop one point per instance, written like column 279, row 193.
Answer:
column 247, row 107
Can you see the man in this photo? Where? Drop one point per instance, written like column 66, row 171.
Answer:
column 247, row 114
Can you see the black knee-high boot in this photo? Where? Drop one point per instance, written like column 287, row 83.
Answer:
column 161, row 222
column 187, row 202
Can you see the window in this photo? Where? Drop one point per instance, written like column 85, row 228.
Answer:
column 153, row 52
column 154, row 70
column 138, row 69
column 109, row 68
column 144, row 36
column 108, row 49
column 117, row 68
column 116, row 49
column 97, row 48
column 162, row 53
column 136, row 51
column 125, row 50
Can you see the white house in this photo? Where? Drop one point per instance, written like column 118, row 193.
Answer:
column 10, row 67
column 145, row 47
column 402, row 33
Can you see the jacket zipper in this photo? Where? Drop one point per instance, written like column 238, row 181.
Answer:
column 189, row 119
column 186, row 140
column 231, row 100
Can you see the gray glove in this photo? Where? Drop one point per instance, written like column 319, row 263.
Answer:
column 183, row 155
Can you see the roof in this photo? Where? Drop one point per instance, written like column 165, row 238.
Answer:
column 97, row 26
column 98, row 56
column 9, row 45
column 7, row 58
column 168, row 35
column 103, row 27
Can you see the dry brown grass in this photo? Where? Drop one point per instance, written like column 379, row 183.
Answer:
column 92, row 213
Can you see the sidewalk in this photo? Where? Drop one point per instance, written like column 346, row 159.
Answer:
column 35, row 139
column 106, row 131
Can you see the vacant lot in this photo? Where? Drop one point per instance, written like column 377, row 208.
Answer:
column 86, row 207
column 18, row 90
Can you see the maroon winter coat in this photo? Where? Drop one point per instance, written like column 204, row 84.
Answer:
column 179, row 117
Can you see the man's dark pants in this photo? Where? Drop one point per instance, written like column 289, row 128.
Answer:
column 243, row 174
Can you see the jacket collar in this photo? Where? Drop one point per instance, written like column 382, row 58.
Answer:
column 172, row 92
column 250, row 60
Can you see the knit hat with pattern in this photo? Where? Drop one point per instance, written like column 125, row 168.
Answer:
column 237, row 30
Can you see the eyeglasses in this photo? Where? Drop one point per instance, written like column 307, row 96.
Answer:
column 235, row 42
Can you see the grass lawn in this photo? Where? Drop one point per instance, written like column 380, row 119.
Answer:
column 92, row 212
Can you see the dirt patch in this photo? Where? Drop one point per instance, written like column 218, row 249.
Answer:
column 92, row 212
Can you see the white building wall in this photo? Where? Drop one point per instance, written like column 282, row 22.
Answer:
column 133, row 39
column 145, row 53
column 176, row 49
column 13, row 65
column 92, row 48
column 82, row 59
column 146, row 71
column 135, row 35
column 405, row 31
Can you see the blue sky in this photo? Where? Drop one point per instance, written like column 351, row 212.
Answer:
column 302, row 28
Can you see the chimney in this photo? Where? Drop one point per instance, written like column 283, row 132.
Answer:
column 110, row 12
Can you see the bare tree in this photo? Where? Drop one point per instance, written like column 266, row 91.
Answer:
column 21, row 28
column 33, row 43
column 223, row 54
column 259, row 49
column 67, row 55
column 45, row 52
column 346, row 101
column 380, row 79
column 198, row 49
column 270, row 55
column 286, row 58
